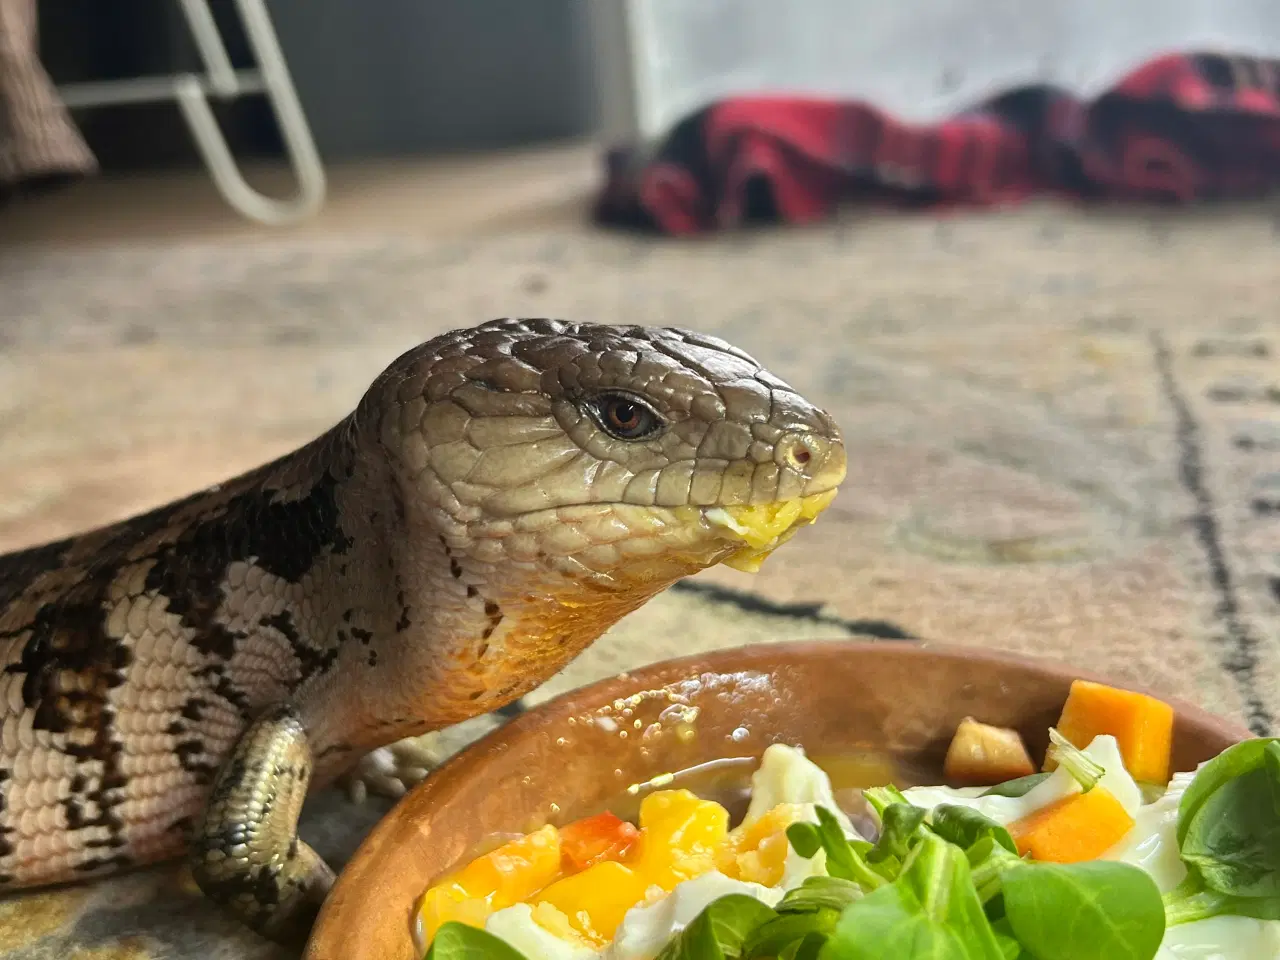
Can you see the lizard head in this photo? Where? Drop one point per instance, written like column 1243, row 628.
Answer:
column 556, row 475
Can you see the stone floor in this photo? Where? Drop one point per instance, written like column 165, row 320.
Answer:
column 1063, row 427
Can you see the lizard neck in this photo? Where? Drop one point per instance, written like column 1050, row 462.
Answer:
column 457, row 636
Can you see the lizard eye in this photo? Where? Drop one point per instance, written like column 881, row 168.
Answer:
column 625, row 417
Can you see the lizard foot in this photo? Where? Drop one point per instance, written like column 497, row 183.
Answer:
column 246, row 855
column 393, row 770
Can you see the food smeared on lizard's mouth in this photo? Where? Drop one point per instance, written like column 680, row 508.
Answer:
column 763, row 528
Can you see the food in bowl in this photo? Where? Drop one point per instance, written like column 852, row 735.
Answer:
column 1100, row 853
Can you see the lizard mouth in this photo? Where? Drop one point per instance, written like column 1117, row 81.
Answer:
column 762, row 528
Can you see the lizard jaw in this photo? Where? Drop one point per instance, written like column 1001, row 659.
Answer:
column 762, row 528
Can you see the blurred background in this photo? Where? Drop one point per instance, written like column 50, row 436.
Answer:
column 1026, row 254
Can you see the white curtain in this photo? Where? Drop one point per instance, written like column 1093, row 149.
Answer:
column 918, row 59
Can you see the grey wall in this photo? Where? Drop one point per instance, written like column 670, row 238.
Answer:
column 407, row 76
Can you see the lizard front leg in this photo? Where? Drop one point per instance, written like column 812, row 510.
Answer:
column 246, row 855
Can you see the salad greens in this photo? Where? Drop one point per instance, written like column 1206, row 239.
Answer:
column 720, row 931
column 1017, row 788
column 931, row 910
column 988, row 860
column 805, row 917
column 844, row 860
column 898, row 825
column 457, row 941
column 962, row 892
column 965, row 826
column 948, row 883
column 1113, row 910
column 818, row 892
column 1229, row 836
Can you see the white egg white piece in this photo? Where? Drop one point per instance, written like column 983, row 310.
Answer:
column 1222, row 938
column 1152, row 843
column 515, row 925
column 786, row 775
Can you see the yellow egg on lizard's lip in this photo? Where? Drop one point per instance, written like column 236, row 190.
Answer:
column 763, row 528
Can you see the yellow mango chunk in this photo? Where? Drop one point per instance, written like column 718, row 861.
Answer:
column 757, row 853
column 680, row 834
column 595, row 900
column 513, row 872
column 448, row 901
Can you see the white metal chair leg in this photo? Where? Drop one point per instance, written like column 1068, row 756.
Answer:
column 192, row 93
column 279, row 90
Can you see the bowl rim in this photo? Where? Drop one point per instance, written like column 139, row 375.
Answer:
column 357, row 882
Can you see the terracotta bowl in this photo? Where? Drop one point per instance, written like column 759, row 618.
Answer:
column 563, row 760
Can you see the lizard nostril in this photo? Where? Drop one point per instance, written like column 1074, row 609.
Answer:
column 799, row 453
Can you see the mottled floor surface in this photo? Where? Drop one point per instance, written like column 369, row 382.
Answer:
column 1064, row 429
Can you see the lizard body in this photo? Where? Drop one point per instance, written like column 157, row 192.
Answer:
column 176, row 682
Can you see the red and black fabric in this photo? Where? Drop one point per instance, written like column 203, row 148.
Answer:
column 1179, row 128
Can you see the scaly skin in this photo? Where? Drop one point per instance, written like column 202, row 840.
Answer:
column 177, row 682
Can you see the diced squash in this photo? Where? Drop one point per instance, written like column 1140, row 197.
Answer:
column 983, row 754
column 680, row 834
column 1080, row 827
column 758, row 853
column 448, row 901
column 1142, row 726
column 514, row 871
column 593, row 839
column 595, row 900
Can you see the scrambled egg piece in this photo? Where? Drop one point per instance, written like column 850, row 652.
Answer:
column 758, row 852
column 765, row 527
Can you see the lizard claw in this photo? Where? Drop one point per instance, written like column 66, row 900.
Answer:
column 393, row 770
